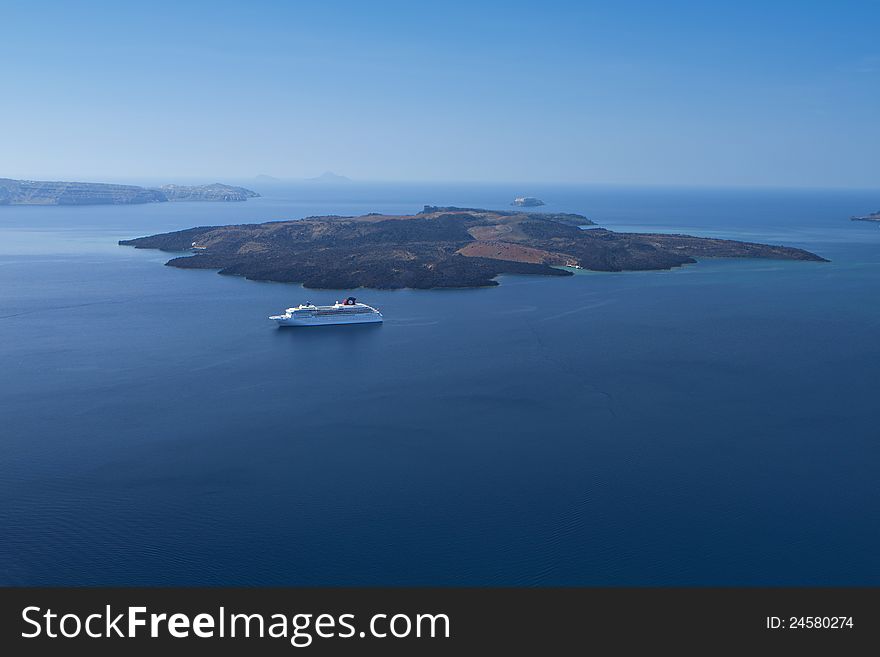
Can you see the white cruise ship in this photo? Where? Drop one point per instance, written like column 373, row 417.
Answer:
column 345, row 312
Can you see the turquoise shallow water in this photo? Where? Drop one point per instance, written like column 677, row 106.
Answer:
column 716, row 424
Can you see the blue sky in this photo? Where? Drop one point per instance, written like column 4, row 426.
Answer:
column 683, row 93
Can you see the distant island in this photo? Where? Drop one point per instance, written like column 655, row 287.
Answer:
column 874, row 216
column 215, row 192
column 329, row 177
column 438, row 247
column 35, row 192
column 527, row 202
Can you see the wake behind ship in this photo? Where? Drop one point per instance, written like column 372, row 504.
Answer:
column 345, row 312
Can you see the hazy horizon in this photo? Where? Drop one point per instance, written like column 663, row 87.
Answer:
column 679, row 94
column 525, row 187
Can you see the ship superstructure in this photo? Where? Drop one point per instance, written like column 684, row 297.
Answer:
column 341, row 312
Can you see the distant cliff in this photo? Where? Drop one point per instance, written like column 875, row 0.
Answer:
column 35, row 192
column 215, row 192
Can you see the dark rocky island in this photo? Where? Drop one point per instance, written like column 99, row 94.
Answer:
column 527, row 202
column 874, row 216
column 35, row 192
column 438, row 247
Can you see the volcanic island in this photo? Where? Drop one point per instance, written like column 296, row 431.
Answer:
column 439, row 247
column 874, row 216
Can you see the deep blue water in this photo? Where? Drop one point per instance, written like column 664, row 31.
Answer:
column 717, row 424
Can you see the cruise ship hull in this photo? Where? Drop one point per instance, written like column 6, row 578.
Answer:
column 283, row 320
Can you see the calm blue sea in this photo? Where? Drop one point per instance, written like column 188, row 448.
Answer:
column 717, row 424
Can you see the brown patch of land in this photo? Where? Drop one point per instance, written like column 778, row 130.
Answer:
column 515, row 252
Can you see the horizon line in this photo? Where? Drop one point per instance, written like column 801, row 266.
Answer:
column 346, row 181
